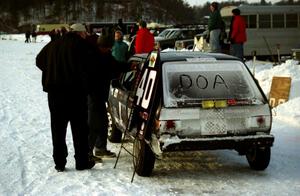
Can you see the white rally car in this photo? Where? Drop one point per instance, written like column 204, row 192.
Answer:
column 181, row 101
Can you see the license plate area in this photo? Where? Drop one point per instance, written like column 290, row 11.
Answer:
column 215, row 122
column 213, row 127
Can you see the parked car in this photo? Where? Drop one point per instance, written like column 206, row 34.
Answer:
column 182, row 101
column 165, row 33
column 174, row 35
column 184, row 44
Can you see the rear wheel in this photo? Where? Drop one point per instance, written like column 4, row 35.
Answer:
column 259, row 158
column 143, row 158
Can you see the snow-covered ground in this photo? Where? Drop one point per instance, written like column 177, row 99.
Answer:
column 26, row 166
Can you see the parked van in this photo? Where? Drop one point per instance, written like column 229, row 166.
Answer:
column 43, row 29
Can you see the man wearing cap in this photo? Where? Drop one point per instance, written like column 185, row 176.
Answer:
column 64, row 63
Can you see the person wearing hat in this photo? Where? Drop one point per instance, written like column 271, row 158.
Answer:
column 214, row 27
column 79, row 29
column 64, row 64
column 144, row 42
column 237, row 34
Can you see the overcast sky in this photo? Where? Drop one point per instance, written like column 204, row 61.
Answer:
column 201, row 2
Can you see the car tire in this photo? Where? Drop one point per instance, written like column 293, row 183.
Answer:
column 114, row 135
column 259, row 158
column 143, row 158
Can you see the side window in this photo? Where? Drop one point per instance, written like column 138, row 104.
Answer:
column 265, row 21
column 278, row 20
column 251, row 22
column 291, row 20
column 128, row 80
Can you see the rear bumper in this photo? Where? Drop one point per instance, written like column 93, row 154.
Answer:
column 233, row 142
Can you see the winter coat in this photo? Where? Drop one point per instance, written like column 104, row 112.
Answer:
column 144, row 42
column 238, row 30
column 120, row 51
column 215, row 20
column 64, row 63
column 106, row 69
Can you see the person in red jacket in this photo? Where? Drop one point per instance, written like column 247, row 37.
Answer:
column 144, row 42
column 237, row 34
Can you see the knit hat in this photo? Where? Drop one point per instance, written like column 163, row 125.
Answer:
column 78, row 27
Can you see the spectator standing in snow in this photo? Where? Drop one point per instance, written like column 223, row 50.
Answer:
column 64, row 62
column 33, row 35
column 144, row 42
column 237, row 34
column 100, row 81
column 27, row 37
column 214, row 27
column 120, row 48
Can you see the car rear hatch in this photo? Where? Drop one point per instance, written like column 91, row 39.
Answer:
column 207, row 100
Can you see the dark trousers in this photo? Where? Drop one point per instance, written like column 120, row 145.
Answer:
column 237, row 50
column 69, row 107
column 98, row 122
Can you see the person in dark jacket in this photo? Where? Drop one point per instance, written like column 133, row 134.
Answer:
column 214, row 27
column 144, row 42
column 100, row 82
column 27, row 37
column 237, row 34
column 64, row 62
column 33, row 35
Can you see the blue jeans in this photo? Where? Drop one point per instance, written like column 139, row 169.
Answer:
column 237, row 50
column 214, row 40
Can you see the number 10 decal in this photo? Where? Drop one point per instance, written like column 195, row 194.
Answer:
column 145, row 88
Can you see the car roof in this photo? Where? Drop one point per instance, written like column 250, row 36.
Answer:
column 184, row 55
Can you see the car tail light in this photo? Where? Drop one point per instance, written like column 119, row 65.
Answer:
column 170, row 124
column 261, row 121
column 231, row 102
column 257, row 122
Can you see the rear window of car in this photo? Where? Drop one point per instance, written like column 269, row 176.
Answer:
column 188, row 83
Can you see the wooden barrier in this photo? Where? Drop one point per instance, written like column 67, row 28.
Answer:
column 280, row 90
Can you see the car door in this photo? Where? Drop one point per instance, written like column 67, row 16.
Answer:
column 121, row 95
